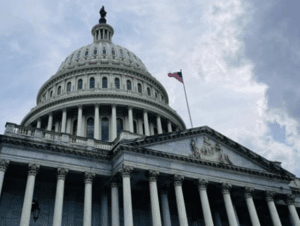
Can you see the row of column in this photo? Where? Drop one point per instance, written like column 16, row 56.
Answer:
column 97, row 122
column 155, row 207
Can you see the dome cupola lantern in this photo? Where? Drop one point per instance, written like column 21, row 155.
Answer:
column 102, row 32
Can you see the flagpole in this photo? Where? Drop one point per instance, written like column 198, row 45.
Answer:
column 187, row 103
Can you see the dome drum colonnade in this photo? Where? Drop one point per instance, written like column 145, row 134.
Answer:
column 157, row 216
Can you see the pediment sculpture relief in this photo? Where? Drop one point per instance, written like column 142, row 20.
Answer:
column 206, row 151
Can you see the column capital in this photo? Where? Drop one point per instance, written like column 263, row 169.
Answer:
column 178, row 179
column 89, row 177
column 4, row 164
column 152, row 174
column 64, row 109
column 248, row 192
column 114, row 181
column 50, row 113
column 202, row 184
column 79, row 105
column 126, row 171
column 97, row 105
column 33, row 169
column 130, row 107
column 269, row 196
column 225, row 188
column 290, row 199
column 62, row 173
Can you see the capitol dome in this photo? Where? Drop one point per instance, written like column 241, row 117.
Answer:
column 101, row 89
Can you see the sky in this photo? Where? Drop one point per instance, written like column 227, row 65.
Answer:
column 239, row 59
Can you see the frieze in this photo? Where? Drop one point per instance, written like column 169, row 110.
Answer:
column 206, row 151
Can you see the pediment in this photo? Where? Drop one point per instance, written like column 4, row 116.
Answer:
column 206, row 148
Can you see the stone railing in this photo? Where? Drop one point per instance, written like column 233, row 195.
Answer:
column 16, row 130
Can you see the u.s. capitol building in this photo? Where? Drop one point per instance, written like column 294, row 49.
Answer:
column 103, row 147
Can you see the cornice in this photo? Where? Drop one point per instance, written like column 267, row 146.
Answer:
column 124, row 148
column 101, row 95
column 57, row 148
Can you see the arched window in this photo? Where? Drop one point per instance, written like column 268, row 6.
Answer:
column 128, row 85
column 139, row 88
column 92, row 83
column 86, row 52
column 51, row 93
column 80, row 84
column 75, row 127
column 119, row 125
column 104, row 51
column 134, row 127
column 104, row 83
column 90, row 128
column 95, row 51
column 78, row 55
column 104, row 130
column 148, row 91
column 59, row 90
column 117, row 83
column 113, row 52
column 69, row 87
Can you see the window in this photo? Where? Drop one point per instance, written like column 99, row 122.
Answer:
column 86, row 52
column 104, row 83
column 104, row 130
column 156, row 95
column 75, row 127
column 121, row 54
column 117, row 83
column 69, row 87
column 90, row 128
column 148, row 91
column 78, row 55
column 95, row 51
column 128, row 85
column 139, row 88
column 51, row 93
column 59, row 90
column 134, row 127
column 104, row 51
column 119, row 125
column 92, row 83
column 113, row 51
column 80, row 84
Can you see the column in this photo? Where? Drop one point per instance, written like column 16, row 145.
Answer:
column 146, row 123
column 251, row 206
column 114, row 122
column 79, row 120
column 130, row 118
column 87, row 214
column 236, row 216
column 50, row 120
column 156, row 218
column 26, row 211
column 39, row 123
column 59, row 198
column 290, row 201
column 115, row 215
column 3, row 167
column 228, row 204
column 158, row 121
column 169, row 127
column 104, row 208
column 165, row 208
column 202, row 186
column 97, row 123
column 127, row 202
column 180, row 201
column 272, row 208
column 64, row 120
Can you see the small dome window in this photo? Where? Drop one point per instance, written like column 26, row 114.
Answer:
column 104, row 83
column 59, row 90
column 117, row 83
column 95, row 51
column 69, row 87
column 148, row 91
column 113, row 51
column 80, row 84
column 78, row 55
column 128, row 85
column 86, row 52
column 139, row 88
column 92, row 83
column 104, row 51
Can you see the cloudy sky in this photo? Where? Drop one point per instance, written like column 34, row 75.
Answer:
column 240, row 60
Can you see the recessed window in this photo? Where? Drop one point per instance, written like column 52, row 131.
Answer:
column 148, row 91
column 134, row 127
column 95, row 51
column 80, row 84
column 86, row 52
column 92, row 83
column 104, row 83
column 104, row 51
column 90, row 128
column 121, row 54
column 156, row 95
column 139, row 88
column 59, row 90
column 128, row 85
column 69, row 87
column 104, row 130
column 117, row 83
column 119, row 125
column 113, row 51
column 51, row 93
